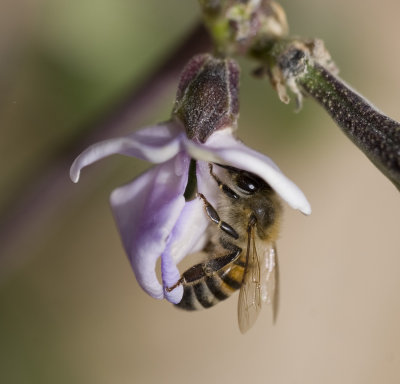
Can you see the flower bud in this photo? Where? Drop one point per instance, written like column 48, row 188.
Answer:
column 207, row 98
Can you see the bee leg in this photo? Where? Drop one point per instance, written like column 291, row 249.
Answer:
column 209, row 267
column 223, row 187
column 177, row 284
column 231, row 248
column 204, row 283
column 213, row 215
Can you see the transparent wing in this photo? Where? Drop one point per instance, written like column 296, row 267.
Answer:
column 270, row 279
column 249, row 304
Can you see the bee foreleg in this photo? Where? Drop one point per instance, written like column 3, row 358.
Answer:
column 224, row 188
column 214, row 217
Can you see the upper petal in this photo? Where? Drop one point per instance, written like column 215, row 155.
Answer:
column 146, row 211
column 155, row 143
column 223, row 148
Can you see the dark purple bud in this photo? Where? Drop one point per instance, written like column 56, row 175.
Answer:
column 207, row 98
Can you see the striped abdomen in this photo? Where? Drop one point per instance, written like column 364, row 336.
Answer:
column 210, row 288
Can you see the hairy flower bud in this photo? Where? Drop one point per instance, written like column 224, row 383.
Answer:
column 208, row 96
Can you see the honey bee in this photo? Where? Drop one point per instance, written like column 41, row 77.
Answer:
column 241, row 252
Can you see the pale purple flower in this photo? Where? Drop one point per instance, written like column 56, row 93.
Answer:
column 151, row 212
column 153, row 218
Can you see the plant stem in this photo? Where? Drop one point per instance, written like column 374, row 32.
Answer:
column 377, row 135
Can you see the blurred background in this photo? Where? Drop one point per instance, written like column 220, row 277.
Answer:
column 70, row 308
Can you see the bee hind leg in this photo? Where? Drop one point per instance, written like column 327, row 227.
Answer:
column 203, row 282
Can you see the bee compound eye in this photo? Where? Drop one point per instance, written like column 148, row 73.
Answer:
column 247, row 184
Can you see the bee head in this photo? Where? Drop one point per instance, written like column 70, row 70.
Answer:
column 259, row 196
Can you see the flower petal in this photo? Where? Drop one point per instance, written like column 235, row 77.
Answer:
column 170, row 275
column 188, row 236
column 222, row 147
column 190, row 232
column 146, row 211
column 156, row 143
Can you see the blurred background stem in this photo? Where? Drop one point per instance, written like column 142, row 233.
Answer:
column 44, row 192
